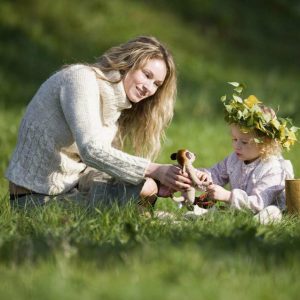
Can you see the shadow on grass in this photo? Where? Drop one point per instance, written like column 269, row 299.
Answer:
column 109, row 237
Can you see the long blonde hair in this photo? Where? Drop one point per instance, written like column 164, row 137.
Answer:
column 143, row 126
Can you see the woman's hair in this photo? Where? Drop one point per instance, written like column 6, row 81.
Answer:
column 143, row 125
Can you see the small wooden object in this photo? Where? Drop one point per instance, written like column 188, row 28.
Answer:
column 292, row 192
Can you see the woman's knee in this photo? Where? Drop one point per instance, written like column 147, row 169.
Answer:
column 149, row 191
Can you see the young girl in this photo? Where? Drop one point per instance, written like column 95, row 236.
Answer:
column 256, row 170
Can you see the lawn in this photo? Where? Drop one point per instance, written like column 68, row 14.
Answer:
column 73, row 252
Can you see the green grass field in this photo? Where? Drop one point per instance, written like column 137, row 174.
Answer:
column 66, row 251
column 71, row 252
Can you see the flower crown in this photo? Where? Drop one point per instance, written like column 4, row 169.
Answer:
column 251, row 114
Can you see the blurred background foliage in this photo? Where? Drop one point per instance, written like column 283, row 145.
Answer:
column 256, row 42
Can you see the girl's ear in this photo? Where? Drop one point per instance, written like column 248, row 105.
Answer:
column 173, row 156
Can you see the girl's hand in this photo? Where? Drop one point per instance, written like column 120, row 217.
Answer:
column 218, row 193
column 170, row 176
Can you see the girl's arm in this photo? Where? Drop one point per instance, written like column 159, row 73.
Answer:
column 264, row 193
column 218, row 174
column 266, row 187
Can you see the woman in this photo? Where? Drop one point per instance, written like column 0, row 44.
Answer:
column 74, row 130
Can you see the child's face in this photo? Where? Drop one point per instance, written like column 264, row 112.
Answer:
column 244, row 145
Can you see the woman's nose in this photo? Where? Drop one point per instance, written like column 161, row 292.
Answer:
column 150, row 87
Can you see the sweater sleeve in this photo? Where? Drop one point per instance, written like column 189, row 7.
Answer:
column 80, row 102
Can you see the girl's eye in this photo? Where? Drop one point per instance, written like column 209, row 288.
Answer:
column 244, row 143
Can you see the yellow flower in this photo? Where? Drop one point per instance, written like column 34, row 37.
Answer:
column 251, row 101
column 275, row 123
column 250, row 115
column 292, row 136
column 282, row 132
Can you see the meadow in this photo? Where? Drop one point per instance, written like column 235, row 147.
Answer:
column 67, row 251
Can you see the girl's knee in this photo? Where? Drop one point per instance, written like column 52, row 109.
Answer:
column 270, row 214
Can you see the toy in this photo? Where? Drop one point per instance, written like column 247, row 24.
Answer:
column 185, row 159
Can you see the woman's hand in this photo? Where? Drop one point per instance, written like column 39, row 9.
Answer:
column 170, row 176
column 164, row 191
column 204, row 177
column 218, row 193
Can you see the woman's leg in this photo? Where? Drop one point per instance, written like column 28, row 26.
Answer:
column 100, row 188
column 148, row 193
column 37, row 200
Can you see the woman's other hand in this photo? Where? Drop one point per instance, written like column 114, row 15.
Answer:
column 170, row 176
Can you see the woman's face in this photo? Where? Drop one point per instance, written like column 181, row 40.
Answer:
column 144, row 81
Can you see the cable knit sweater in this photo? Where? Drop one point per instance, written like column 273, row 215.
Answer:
column 69, row 124
column 256, row 185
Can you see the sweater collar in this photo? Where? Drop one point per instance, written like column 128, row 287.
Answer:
column 112, row 96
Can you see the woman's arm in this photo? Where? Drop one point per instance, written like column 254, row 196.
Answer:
column 169, row 175
column 80, row 102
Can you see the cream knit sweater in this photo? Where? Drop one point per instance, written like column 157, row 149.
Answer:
column 70, row 124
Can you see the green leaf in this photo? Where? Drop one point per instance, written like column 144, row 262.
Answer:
column 228, row 108
column 294, row 128
column 239, row 114
column 258, row 141
column 238, row 89
column 237, row 98
column 236, row 84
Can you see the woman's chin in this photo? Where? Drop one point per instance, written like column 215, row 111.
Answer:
column 135, row 99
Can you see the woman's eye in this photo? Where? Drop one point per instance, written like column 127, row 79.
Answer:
column 147, row 74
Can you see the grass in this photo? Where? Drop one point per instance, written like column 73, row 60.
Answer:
column 73, row 252
column 67, row 251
